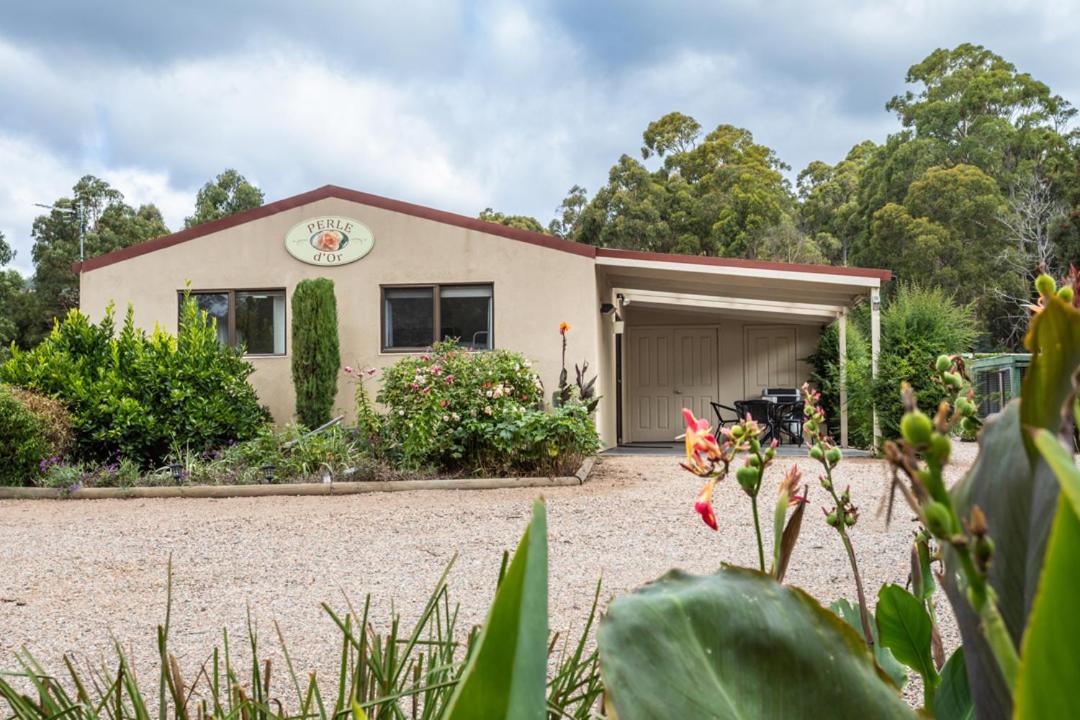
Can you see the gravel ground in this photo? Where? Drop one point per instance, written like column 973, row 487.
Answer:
column 76, row 574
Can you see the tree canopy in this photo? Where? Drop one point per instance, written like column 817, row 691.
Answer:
column 228, row 194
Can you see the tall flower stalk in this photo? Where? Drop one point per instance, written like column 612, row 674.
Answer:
column 843, row 515
column 712, row 459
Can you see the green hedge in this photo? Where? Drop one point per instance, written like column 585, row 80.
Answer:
column 142, row 395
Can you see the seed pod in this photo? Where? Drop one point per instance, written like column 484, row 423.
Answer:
column 916, row 427
column 747, row 477
column 833, row 456
column 850, row 519
column 816, row 452
column 832, row 519
column 937, row 518
column 1065, row 293
column 984, row 551
column 943, row 363
column 753, row 461
column 1045, row 285
column 940, row 447
column 953, row 379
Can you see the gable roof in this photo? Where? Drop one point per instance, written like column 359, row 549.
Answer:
column 447, row 218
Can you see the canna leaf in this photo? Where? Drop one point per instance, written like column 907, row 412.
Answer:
column 736, row 645
column 506, row 674
column 952, row 699
column 904, row 628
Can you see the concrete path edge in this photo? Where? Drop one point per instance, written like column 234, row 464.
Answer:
column 331, row 488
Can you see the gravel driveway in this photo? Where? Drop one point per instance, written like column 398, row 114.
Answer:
column 75, row 574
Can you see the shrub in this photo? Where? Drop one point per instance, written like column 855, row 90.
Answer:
column 826, row 378
column 137, row 395
column 54, row 416
column 23, row 440
column 448, row 407
column 917, row 325
column 316, row 357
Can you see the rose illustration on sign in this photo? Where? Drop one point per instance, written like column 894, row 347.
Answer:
column 329, row 240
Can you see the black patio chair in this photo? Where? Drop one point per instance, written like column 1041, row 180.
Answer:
column 721, row 421
column 787, row 422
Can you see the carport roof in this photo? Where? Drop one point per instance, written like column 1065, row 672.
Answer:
column 602, row 256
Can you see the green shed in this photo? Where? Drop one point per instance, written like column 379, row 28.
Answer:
column 997, row 378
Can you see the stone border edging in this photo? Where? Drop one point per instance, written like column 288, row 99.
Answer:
column 286, row 489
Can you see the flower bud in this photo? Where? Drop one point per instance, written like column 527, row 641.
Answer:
column 916, row 427
column 937, row 519
column 943, row 363
column 1045, row 285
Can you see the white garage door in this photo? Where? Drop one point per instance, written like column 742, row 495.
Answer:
column 669, row 369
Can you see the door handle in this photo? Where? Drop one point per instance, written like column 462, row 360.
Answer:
column 678, row 392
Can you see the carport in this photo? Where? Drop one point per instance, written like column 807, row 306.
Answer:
column 690, row 331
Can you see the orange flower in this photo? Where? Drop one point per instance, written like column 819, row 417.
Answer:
column 698, row 438
column 564, row 327
column 704, row 507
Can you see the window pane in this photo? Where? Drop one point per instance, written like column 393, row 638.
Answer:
column 260, row 322
column 409, row 315
column 465, row 314
column 216, row 306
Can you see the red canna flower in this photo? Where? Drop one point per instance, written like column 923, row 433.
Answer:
column 704, row 507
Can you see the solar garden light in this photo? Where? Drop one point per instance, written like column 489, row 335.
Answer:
column 268, row 473
column 177, row 471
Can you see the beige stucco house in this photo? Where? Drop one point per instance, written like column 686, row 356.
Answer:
column 661, row 331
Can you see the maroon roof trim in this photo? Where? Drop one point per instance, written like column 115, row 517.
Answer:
column 449, row 218
column 333, row 191
column 884, row 275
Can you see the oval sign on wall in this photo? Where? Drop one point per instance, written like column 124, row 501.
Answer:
column 329, row 240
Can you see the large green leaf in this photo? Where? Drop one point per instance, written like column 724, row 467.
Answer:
column 885, row 659
column 1018, row 500
column 506, row 675
column 1050, row 664
column 905, row 629
column 1016, row 490
column 952, row 699
column 737, row 645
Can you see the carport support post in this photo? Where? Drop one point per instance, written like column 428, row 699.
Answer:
column 842, row 324
column 875, row 350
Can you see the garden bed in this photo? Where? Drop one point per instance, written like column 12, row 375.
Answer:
column 307, row 488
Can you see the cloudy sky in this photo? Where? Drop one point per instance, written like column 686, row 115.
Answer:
column 457, row 105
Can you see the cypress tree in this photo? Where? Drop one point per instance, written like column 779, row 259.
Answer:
column 316, row 357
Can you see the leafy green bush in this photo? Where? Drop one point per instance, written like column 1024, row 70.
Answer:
column 917, row 325
column 461, row 410
column 137, row 395
column 826, row 378
column 23, row 441
column 315, row 353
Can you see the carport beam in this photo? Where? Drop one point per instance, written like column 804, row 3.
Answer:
column 842, row 324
